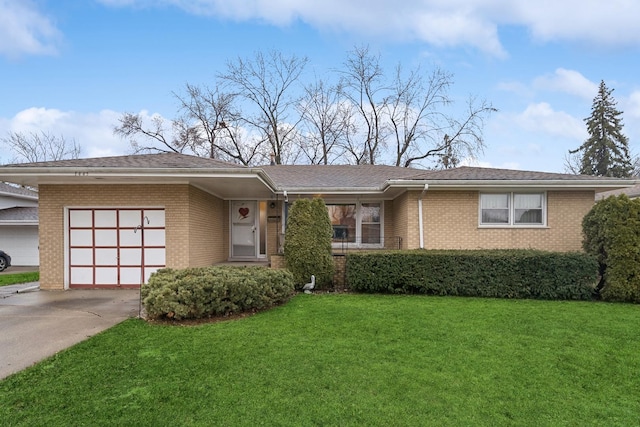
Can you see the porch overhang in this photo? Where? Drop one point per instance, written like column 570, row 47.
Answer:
column 232, row 183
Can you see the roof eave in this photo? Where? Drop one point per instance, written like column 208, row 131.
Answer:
column 598, row 185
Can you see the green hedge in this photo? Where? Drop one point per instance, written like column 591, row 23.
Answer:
column 194, row 293
column 612, row 234
column 486, row 273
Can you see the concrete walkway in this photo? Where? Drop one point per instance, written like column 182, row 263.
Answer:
column 37, row 324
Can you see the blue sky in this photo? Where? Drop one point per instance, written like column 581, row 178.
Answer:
column 72, row 67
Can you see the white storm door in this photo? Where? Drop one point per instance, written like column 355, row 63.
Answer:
column 244, row 233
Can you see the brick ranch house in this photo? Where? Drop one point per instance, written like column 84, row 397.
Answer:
column 111, row 222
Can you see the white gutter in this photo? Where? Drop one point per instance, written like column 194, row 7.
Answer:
column 420, row 222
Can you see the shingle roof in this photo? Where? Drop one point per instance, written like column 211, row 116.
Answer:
column 19, row 214
column 375, row 176
column 631, row 192
column 21, row 191
column 335, row 176
column 468, row 173
column 136, row 161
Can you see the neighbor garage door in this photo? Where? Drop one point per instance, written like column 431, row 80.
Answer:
column 112, row 247
column 21, row 243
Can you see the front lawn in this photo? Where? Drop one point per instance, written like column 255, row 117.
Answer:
column 17, row 278
column 350, row 360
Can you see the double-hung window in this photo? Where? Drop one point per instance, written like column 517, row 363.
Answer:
column 357, row 224
column 512, row 209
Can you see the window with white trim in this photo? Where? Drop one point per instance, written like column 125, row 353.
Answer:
column 358, row 223
column 513, row 209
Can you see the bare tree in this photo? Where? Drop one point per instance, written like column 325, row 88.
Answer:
column 132, row 126
column 218, row 122
column 363, row 85
column 326, row 121
column 267, row 82
column 208, row 126
column 417, row 109
column 465, row 139
column 40, row 146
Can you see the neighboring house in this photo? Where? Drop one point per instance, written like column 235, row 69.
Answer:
column 19, row 224
column 631, row 192
column 113, row 221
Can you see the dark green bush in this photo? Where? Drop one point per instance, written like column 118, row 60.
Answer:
column 307, row 243
column 612, row 234
column 490, row 273
column 195, row 293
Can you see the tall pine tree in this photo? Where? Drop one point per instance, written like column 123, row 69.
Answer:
column 606, row 151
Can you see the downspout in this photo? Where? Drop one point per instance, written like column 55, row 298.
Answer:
column 420, row 224
column 285, row 214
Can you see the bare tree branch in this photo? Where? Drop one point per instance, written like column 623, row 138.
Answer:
column 266, row 81
column 363, row 85
column 40, row 146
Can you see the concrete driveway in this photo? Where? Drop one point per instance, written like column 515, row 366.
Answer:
column 37, row 324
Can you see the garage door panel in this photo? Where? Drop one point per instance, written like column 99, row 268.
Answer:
column 82, row 275
column 130, row 256
column 106, row 218
column 130, row 238
column 108, row 247
column 81, row 256
column 81, row 238
column 106, row 276
column 21, row 242
column 130, row 275
column 106, row 238
column 155, row 217
column 106, row 256
column 130, row 218
column 154, row 256
column 153, row 237
column 81, row 218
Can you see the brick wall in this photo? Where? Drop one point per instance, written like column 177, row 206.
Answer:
column 339, row 263
column 178, row 201
column 206, row 230
column 450, row 221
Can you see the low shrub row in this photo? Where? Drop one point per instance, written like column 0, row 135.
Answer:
column 194, row 293
column 486, row 273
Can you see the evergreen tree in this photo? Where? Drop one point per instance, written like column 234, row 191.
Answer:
column 307, row 242
column 606, row 151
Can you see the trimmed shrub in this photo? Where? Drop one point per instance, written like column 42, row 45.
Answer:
column 612, row 234
column 307, row 243
column 487, row 273
column 195, row 293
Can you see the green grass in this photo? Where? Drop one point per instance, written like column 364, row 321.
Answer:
column 16, row 278
column 350, row 360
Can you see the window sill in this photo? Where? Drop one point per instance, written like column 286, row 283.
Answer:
column 511, row 226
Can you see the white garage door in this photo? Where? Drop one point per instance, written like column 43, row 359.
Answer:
column 113, row 247
column 21, row 243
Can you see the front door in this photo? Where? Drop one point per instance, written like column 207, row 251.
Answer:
column 244, row 229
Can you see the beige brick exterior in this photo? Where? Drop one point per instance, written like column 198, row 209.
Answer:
column 197, row 223
column 193, row 219
column 207, row 241
column 450, row 221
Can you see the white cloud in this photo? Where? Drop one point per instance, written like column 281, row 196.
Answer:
column 567, row 81
column 24, row 30
column 93, row 132
column 440, row 22
column 632, row 105
column 541, row 118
